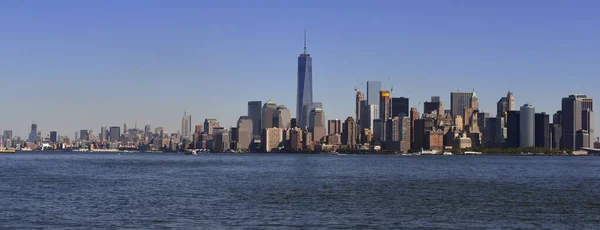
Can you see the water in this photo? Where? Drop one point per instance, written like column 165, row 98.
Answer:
column 63, row 190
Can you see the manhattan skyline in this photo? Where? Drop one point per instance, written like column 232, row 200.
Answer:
column 70, row 69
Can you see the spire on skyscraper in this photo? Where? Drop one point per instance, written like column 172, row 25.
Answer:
column 304, row 41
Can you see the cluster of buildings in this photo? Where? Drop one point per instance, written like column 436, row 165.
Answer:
column 380, row 122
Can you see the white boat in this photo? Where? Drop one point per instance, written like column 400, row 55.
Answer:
column 426, row 151
column 472, row 153
column 448, row 154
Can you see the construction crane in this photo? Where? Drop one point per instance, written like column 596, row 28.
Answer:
column 356, row 87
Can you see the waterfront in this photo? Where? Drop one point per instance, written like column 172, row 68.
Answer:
column 141, row 190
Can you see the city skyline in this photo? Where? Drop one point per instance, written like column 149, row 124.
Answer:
column 67, row 96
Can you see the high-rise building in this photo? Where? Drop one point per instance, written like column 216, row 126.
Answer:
column 147, row 131
column 244, row 133
column 414, row 115
column 304, row 94
column 33, row 133
column 115, row 134
column 296, row 139
column 317, row 124
column 209, row 125
column 571, row 120
column 268, row 111
column 349, row 135
column 556, row 136
column 7, row 135
column 513, row 129
column 474, row 104
column 459, row 101
column 373, row 89
column 404, row 137
column 84, row 135
column 222, row 141
column 400, row 106
column 527, row 126
column 281, row 117
column 255, row 113
column 334, row 126
column 542, row 130
column 505, row 104
column 385, row 102
column 377, row 131
column 53, row 137
column 365, row 115
column 360, row 97
column 373, row 114
column 587, row 123
column 293, row 123
column 271, row 138
column 186, row 126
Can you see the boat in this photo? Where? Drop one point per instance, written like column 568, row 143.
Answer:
column 7, row 151
column 448, row 154
column 472, row 153
column 426, row 152
column 192, row 152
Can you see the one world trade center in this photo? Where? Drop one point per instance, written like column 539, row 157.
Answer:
column 304, row 96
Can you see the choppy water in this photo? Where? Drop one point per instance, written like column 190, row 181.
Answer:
column 62, row 190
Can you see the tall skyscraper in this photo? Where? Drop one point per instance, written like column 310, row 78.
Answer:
column 268, row 111
column 385, row 105
column 115, row 134
column 527, row 126
column 255, row 113
column 304, row 94
column 505, row 104
column 209, row 125
column 244, row 133
column 571, row 120
column 542, row 130
column 414, row 115
column 349, row 135
column 317, row 124
column 360, row 97
column 373, row 114
column 33, row 133
column 7, row 135
column 587, row 123
column 147, row 131
column 400, row 105
column 281, row 117
column 373, row 88
column 186, row 126
column 459, row 101
column 513, row 129
column 53, row 137
column 84, row 135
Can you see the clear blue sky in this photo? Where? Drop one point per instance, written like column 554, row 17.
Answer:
column 74, row 65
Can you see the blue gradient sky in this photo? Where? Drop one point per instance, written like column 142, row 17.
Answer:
column 74, row 65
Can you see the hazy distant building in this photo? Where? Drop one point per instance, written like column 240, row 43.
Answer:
column 271, row 139
column 304, row 96
column 33, row 133
column 255, row 113
column 7, row 135
column 373, row 88
column 115, row 134
column 349, row 134
column 542, row 130
column 84, row 135
column 53, row 137
column 268, row 111
column 244, row 133
column 400, row 106
column 186, row 126
column 334, row 126
column 459, row 101
column 147, row 132
column 317, row 124
column 281, row 117
column 209, row 125
column 513, row 129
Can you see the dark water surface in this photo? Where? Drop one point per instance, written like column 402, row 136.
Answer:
column 84, row 190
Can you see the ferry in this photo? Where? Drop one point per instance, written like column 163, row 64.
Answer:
column 472, row 153
column 429, row 152
column 7, row 151
column 448, row 154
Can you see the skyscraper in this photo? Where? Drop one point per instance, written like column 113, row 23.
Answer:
column 304, row 95
column 587, row 123
column 459, row 101
column 7, row 135
column 571, row 120
column 385, row 103
column 400, row 106
column 349, row 132
column 115, row 133
column 53, row 137
column 244, row 133
column 281, row 117
column 268, row 111
column 209, row 125
column 542, row 130
column 84, row 135
column 359, row 98
column 255, row 113
column 505, row 104
column 373, row 88
column 334, row 126
column 527, row 126
column 317, row 124
column 513, row 124
column 186, row 126
column 33, row 133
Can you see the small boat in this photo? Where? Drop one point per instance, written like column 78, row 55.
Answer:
column 192, row 152
column 472, row 153
column 448, row 154
column 426, row 151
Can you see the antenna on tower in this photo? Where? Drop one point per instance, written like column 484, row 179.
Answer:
column 304, row 41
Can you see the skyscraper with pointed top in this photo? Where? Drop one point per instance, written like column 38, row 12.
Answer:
column 304, row 96
column 186, row 125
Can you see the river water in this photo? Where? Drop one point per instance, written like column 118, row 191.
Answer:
column 110, row 190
